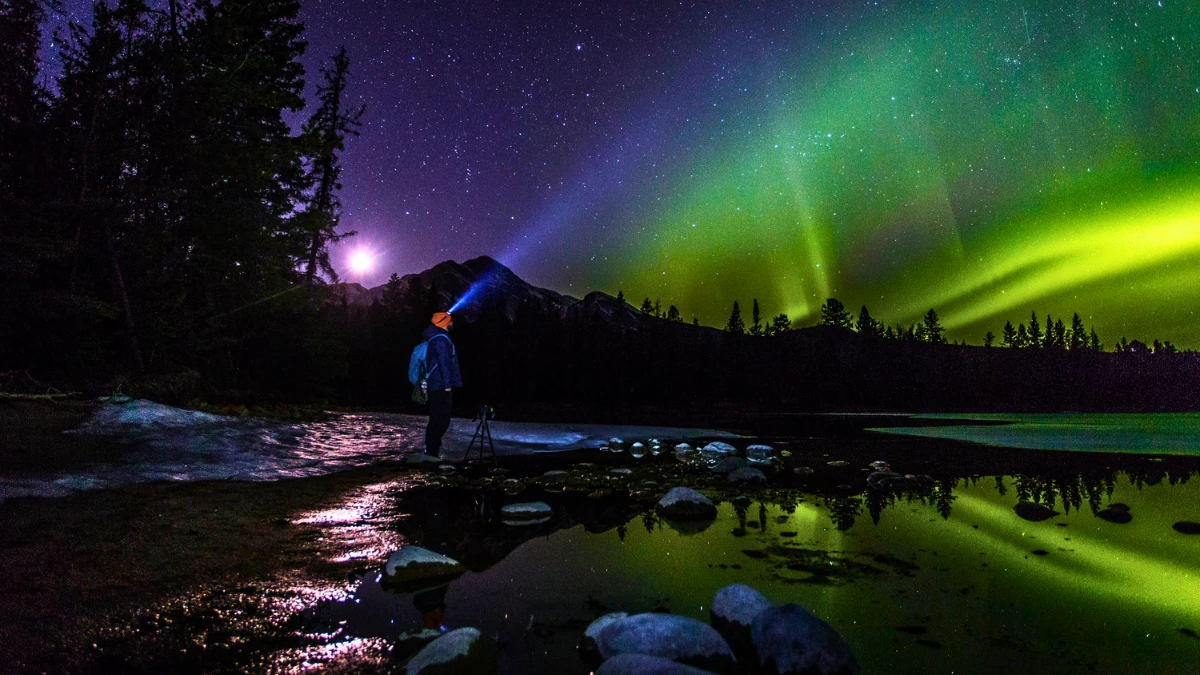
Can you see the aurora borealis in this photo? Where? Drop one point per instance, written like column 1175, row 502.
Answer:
column 986, row 159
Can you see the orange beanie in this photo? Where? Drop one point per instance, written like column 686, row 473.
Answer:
column 441, row 319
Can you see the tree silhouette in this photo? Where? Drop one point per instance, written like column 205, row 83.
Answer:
column 833, row 313
column 868, row 327
column 989, row 338
column 620, row 297
column 647, row 306
column 932, row 330
column 1034, row 336
column 756, row 327
column 1022, row 339
column 1008, row 337
column 1079, row 338
column 673, row 314
column 780, row 324
column 736, row 325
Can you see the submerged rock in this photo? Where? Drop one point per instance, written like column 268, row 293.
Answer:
column 733, row 611
column 1186, row 527
column 1115, row 513
column 678, row 638
column 641, row 664
column 730, row 464
column 413, row 567
column 747, row 474
column 637, row 450
column 789, row 640
column 803, row 471
column 683, row 503
column 1034, row 512
column 589, row 650
column 465, row 651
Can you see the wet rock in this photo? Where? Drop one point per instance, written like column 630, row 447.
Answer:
column 411, row 641
column 748, row 474
column 589, row 651
column 719, row 448
column 838, row 462
column 641, row 664
column 1186, row 527
column 599, row 494
column 1115, row 513
column 655, row 447
column 421, row 459
column 1034, row 512
column 880, row 465
column 616, row 444
column 512, row 487
column 678, row 638
column 621, row 472
column 413, row 567
column 683, row 449
column 788, row 640
column 683, row 503
column 637, row 450
column 730, row 464
column 526, row 511
column 465, row 651
column 760, row 454
column 446, row 468
column 802, row 471
column 556, row 473
column 733, row 611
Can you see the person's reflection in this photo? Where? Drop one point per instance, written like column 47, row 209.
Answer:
column 432, row 606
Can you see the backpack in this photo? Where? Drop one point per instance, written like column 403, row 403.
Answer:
column 417, row 372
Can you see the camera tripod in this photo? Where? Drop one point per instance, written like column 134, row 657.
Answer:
column 483, row 431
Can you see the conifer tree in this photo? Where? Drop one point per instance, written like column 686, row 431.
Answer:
column 325, row 134
column 1060, row 334
column 833, row 313
column 735, row 324
column 1022, row 340
column 780, row 324
column 673, row 314
column 756, row 326
column 1008, row 337
column 1034, row 336
column 620, row 297
column 647, row 306
column 867, row 326
column 1079, row 338
column 988, row 339
column 932, row 328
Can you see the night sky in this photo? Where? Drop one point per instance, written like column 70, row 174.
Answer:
column 982, row 158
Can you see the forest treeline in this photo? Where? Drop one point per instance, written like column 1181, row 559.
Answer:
column 159, row 217
column 165, row 230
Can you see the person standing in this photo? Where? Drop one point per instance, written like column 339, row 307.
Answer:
column 441, row 361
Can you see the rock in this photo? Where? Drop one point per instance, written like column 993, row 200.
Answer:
column 640, row 664
column 683, row 449
column 599, row 494
column 719, row 448
column 788, row 640
column 465, row 651
column 616, row 444
column 741, row 500
column 880, row 465
column 838, row 462
column 733, row 611
column 678, row 638
column 637, row 450
column 589, row 651
column 526, row 511
column 621, row 471
column 760, row 454
column 413, row 567
column 682, row 503
column 420, row 458
column 802, row 471
column 446, row 468
column 742, row 475
column 555, row 473
column 1034, row 512
column 1186, row 527
column 785, row 453
column 688, row 528
column 1115, row 513
column 410, row 641
column 730, row 464
column 512, row 486
column 655, row 446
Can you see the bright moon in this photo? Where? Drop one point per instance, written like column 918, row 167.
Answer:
column 361, row 262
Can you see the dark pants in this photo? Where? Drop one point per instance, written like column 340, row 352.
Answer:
column 439, row 421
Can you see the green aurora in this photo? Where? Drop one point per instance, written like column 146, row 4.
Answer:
column 982, row 159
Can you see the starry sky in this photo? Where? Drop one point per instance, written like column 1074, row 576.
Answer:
column 985, row 159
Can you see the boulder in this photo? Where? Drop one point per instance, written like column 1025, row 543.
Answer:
column 1115, row 513
column 733, row 611
column 730, row 464
column 760, row 454
column 1034, row 512
column 788, row 640
column 411, row 641
column 747, row 474
column 641, row 664
column 413, row 567
column 683, row 503
column 803, row 471
column 465, row 651
column 1186, row 527
column 719, row 448
column 678, row 638
column 637, row 450
column 683, row 449
column 589, row 651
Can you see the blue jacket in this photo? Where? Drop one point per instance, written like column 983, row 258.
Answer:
column 441, row 360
